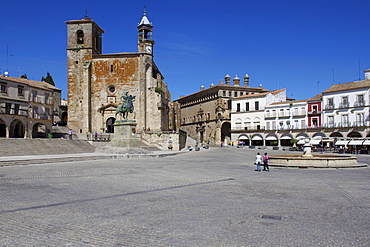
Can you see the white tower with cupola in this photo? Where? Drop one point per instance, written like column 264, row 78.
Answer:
column 145, row 35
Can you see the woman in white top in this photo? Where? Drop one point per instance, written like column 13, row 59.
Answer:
column 258, row 162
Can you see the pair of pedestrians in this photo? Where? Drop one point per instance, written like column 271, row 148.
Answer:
column 265, row 160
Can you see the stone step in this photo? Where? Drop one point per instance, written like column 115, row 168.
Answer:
column 37, row 146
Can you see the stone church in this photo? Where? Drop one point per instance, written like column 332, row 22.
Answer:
column 96, row 81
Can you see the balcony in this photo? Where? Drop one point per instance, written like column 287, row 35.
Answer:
column 284, row 115
column 359, row 104
column 314, row 112
column 330, row 107
column 344, row 105
column 42, row 116
column 299, row 114
column 270, row 116
column 13, row 111
column 248, row 129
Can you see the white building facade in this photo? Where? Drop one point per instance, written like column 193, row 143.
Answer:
column 248, row 114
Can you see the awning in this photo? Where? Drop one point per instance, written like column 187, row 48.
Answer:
column 315, row 142
column 366, row 142
column 356, row 142
column 327, row 140
column 301, row 142
column 341, row 143
column 256, row 138
column 271, row 138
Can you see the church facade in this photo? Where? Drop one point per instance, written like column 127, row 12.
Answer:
column 96, row 81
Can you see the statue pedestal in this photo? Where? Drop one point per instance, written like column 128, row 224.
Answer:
column 124, row 134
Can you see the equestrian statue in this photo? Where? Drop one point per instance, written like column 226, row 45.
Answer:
column 127, row 105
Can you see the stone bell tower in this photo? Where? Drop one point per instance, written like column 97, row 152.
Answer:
column 84, row 40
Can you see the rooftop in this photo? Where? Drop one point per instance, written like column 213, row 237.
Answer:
column 31, row 83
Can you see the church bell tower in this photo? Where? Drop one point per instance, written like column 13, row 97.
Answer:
column 145, row 35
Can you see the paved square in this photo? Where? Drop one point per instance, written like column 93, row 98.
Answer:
column 208, row 198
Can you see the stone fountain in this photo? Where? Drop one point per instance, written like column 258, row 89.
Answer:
column 308, row 160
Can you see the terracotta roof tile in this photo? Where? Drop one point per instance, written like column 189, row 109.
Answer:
column 31, row 83
column 348, row 86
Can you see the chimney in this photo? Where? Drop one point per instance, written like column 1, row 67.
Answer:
column 227, row 79
column 246, row 80
column 367, row 74
column 236, row 81
column 221, row 82
column 260, row 85
column 212, row 85
column 201, row 88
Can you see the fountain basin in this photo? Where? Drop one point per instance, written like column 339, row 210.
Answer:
column 314, row 161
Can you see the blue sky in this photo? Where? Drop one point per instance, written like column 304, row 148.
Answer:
column 304, row 46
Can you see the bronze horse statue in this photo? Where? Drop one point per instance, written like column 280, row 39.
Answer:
column 127, row 106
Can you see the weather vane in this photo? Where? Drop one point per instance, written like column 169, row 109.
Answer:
column 86, row 16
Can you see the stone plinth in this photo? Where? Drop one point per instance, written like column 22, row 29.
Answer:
column 124, row 134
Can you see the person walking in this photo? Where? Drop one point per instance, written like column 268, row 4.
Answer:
column 258, row 162
column 70, row 134
column 266, row 162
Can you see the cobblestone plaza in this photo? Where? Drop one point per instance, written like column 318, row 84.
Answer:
column 207, row 198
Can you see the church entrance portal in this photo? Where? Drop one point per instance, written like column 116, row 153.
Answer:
column 110, row 125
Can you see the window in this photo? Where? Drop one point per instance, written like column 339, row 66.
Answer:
column 360, row 119
column 235, row 94
column 296, row 124
column 267, row 125
column 295, row 111
column 315, row 122
column 8, row 107
column 229, row 104
column 238, row 107
column 303, row 123
column 111, row 68
column 224, row 93
column 314, row 109
column 80, row 37
column 273, row 125
column 20, row 91
column 34, row 96
column 330, row 104
column 281, row 124
column 46, row 98
column 3, row 87
column 247, row 106
column 16, row 109
column 344, row 102
column 345, row 120
column 230, row 93
column 241, row 93
column 331, row 121
column 360, row 100
column 256, row 106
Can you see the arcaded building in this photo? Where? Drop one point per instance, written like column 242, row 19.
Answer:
column 27, row 107
column 205, row 115
column 96, row 81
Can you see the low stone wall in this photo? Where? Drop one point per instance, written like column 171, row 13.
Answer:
column 317, row 161
column 163, row 140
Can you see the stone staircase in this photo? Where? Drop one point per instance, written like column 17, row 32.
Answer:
column 38, row 146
